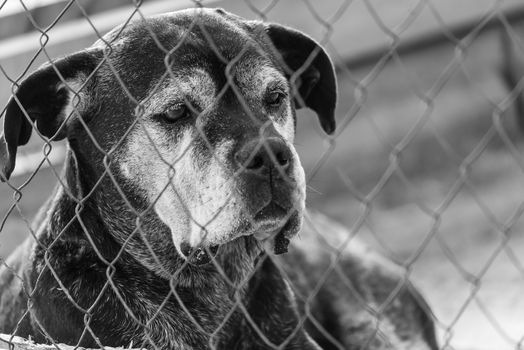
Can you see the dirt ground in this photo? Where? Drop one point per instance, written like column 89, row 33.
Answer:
column 448, row 213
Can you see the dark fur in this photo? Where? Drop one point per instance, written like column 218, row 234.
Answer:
column 512, row 71
column 90, row 278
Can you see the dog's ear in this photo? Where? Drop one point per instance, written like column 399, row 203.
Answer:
column 513, row 70
column 41, row 98
column 310, row 69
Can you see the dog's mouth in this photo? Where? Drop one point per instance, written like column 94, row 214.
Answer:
column 270, row 218
column 275, row 223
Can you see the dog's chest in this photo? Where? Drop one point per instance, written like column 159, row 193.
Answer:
column 123, row 304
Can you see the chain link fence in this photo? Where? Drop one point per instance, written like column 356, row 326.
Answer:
column 425, row 165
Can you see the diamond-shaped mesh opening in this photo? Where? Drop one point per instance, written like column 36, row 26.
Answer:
column 183, row 184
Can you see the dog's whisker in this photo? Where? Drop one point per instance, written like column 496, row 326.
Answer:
column 311, row 189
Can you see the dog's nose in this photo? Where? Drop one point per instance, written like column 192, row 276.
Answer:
column 260, row 156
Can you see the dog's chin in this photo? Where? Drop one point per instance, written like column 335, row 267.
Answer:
column 200, row 255
column 275, row 226
column 272, row 226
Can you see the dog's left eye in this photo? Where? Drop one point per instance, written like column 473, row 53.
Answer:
column 176, row 113
column 275, row 98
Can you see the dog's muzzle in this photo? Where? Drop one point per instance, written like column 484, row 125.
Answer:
column 266, row 167
column 267, row 200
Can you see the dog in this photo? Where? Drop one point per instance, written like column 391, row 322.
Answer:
column 512, row 70
column 181, row 192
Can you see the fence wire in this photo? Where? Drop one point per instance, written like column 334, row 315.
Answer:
column 401, row 202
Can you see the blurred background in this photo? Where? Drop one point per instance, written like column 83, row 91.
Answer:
column 429, row 152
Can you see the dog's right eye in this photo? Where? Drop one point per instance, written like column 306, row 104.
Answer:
column 176, row 113
column 275, row 98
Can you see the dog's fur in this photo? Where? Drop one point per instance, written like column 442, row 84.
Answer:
column 164, row 229
column 512, row 70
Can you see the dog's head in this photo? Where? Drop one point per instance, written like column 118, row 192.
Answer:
column 195, row 112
